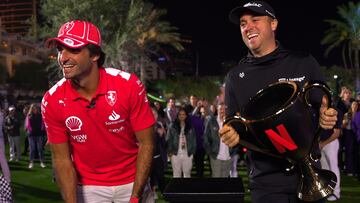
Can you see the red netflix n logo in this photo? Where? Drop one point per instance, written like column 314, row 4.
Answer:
column 281, row 141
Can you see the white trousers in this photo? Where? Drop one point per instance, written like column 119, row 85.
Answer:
column 220, row 168
column 104, row 194
column 329, row 161
column 14, row 143
column 181, row 164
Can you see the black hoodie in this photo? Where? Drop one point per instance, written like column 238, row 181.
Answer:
column 244, row 81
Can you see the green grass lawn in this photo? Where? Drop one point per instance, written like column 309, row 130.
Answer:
column 35, row 185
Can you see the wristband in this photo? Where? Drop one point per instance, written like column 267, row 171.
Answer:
column 134, row 200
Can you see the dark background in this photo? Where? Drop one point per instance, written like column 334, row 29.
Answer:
column 301, row 27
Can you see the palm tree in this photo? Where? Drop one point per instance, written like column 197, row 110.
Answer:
column 145, row 33
column 345, row 32
column 131, row 29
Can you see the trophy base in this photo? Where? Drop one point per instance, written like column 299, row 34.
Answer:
column 316, row 184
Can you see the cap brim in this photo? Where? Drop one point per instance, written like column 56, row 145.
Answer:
column 237, row 12
column 66, row 41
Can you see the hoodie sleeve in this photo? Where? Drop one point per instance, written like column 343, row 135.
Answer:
column 230, row 100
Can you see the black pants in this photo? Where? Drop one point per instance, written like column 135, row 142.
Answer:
column 199, row 163
column 157, row 174
column 26, row 144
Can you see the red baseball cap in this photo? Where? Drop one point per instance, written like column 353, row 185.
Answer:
column 76, row 34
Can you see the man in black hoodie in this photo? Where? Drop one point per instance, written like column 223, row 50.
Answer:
column 267, row 62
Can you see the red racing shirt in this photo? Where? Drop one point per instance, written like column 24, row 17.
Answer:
column 101, row 131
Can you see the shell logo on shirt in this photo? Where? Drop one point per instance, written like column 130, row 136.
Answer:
column 73, row 123
column 111, row 97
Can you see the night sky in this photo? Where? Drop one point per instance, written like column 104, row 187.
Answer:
column 301, row 27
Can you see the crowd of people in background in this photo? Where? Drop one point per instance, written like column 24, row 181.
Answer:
column 186, row 136
column 350, row 133
column 25, row 120
column 16, row 121
column 186, row 139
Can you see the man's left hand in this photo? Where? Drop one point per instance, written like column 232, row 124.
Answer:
column 328, row 116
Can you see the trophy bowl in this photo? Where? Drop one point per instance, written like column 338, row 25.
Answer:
column 277, row 121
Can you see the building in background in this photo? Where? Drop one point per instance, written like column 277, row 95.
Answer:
column 18, row 16
column 17, row 20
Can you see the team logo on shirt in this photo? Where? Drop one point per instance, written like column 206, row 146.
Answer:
column 114, row 116
column 298, row 79
column 79, row 138
column 111, row 97
column 73, row 123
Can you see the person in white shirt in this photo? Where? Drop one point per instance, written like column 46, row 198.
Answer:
column 219, row 153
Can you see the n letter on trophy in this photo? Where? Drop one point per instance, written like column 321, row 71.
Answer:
column 281, row 140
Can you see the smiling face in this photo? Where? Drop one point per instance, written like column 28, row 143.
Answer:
column 258, row 33
column 76, row 63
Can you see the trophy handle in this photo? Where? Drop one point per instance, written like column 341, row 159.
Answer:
column 319, row 85
column 246, row 139
column 315, row 183
column 305, row 94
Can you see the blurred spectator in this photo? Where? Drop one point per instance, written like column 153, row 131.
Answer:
column 157, row 177
column 26, row 140
column 329, row 146
column 3, row 162
column 12, row 130
column 356, row 129
column 33, row 125
column 191, row 106
column 345, row 99
column 5, row 179
column 197, row 121
column 343, row 104
column 181, row 145
column 160, row 111
column 350, row 140
column 171, row 110
column 218, row 152
column 213, row 110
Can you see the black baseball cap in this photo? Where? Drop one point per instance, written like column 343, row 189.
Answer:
column 259, row 7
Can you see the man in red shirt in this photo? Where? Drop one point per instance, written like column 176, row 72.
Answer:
column 98, row 121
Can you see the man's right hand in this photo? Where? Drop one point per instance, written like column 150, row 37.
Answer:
column 229, row 136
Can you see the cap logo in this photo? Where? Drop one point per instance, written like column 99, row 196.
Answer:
column 252, row 4
column 66, row 28
column 76, row 34
column 69, row 42
column 69, row 25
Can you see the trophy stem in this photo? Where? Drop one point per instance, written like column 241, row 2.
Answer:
column 315, row 183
